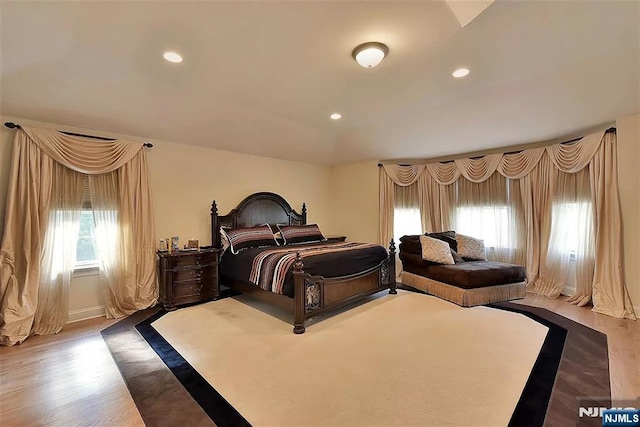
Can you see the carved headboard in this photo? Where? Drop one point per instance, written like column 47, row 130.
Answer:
column 257, row 209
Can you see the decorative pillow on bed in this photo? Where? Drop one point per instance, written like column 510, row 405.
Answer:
column 435, row 250
column 249, row 237
column 300, row 233
column 470, row 247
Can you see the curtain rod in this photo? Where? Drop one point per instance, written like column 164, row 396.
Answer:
column 610, row 130
column 11, row 125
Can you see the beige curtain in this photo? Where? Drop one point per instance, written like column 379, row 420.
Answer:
column 387, row 199
column 610, row 295
column 33, row 172
column 538, row 182
column 390, row 177
column 26, row 221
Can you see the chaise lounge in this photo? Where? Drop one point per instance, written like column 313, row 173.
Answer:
column 467, row 282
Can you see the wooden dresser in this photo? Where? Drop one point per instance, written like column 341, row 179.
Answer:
column 187, row 277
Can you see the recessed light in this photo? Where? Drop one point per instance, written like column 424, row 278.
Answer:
column 335, row 116
column 172, row 57
column 460, row 72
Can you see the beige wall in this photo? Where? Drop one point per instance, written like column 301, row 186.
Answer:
column 354, row 201
column 628, row 131
column 184, row 180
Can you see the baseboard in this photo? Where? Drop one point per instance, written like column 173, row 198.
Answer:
column 86, row 313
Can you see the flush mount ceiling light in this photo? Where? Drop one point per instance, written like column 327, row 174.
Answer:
column 460, row 72
column 172, row 57
column 370, row 54
column 335, row 116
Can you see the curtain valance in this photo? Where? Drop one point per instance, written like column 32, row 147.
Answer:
column 85, row 155
column 404, row 175
column 569, row 158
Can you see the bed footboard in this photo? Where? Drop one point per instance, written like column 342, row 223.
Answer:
column 316, row 294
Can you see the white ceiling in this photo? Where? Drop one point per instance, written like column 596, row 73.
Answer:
column 263, row 77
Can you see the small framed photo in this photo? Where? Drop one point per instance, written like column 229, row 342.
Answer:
column 175, row 244
column 193, row 244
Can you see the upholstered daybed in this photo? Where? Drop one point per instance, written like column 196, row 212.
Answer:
column 467, row 282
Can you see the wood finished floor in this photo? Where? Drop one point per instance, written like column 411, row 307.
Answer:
column 70, row 379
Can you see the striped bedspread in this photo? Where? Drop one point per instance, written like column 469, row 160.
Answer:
column 270, row 266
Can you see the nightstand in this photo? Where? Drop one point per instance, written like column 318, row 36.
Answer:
column 187, row 277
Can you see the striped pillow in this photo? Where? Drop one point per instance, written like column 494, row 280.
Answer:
column 300, row 233
column 250, row 237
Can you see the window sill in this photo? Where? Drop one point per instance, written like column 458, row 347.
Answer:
column 86, row 270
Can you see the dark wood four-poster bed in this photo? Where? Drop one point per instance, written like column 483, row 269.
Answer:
column 314, row 276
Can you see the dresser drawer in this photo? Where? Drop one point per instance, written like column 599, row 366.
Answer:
column 205, row 272
column 187, row 277
column 192, row 289
column 194, row 259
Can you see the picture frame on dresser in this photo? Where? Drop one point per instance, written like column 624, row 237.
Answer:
column 187, row 277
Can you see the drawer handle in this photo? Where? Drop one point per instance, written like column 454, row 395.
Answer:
column 195, row 275
column 196, row 289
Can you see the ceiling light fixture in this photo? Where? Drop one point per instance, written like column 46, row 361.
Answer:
column 335, row 116
column 460, row 72
column 370, row 54
column 172, row 57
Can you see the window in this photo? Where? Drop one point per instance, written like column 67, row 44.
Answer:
column 86, row 252
column 571, row 227
column 406, row 221
column 488, row 223
column 491, row 211
column 406, row 213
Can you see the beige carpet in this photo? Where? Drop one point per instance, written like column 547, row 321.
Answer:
column 402, row 360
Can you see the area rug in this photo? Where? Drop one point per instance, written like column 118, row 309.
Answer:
column 381, row 376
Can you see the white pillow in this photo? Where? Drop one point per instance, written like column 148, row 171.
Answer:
column 435, row 250
column 224, row 240
column 470, row 247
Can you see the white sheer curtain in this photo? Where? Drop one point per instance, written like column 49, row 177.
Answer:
column 570, row 257
column 104, row 202
column 59, row 251
column 121, row 216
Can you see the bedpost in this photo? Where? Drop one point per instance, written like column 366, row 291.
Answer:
column 298, row 293
column 304, row 213
column 392, row 267
column 215, row 226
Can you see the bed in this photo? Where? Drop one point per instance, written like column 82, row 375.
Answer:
column 466, row 282
column 320, row 277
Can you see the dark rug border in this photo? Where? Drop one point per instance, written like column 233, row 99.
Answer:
column 532, row 406
column 212, row 403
